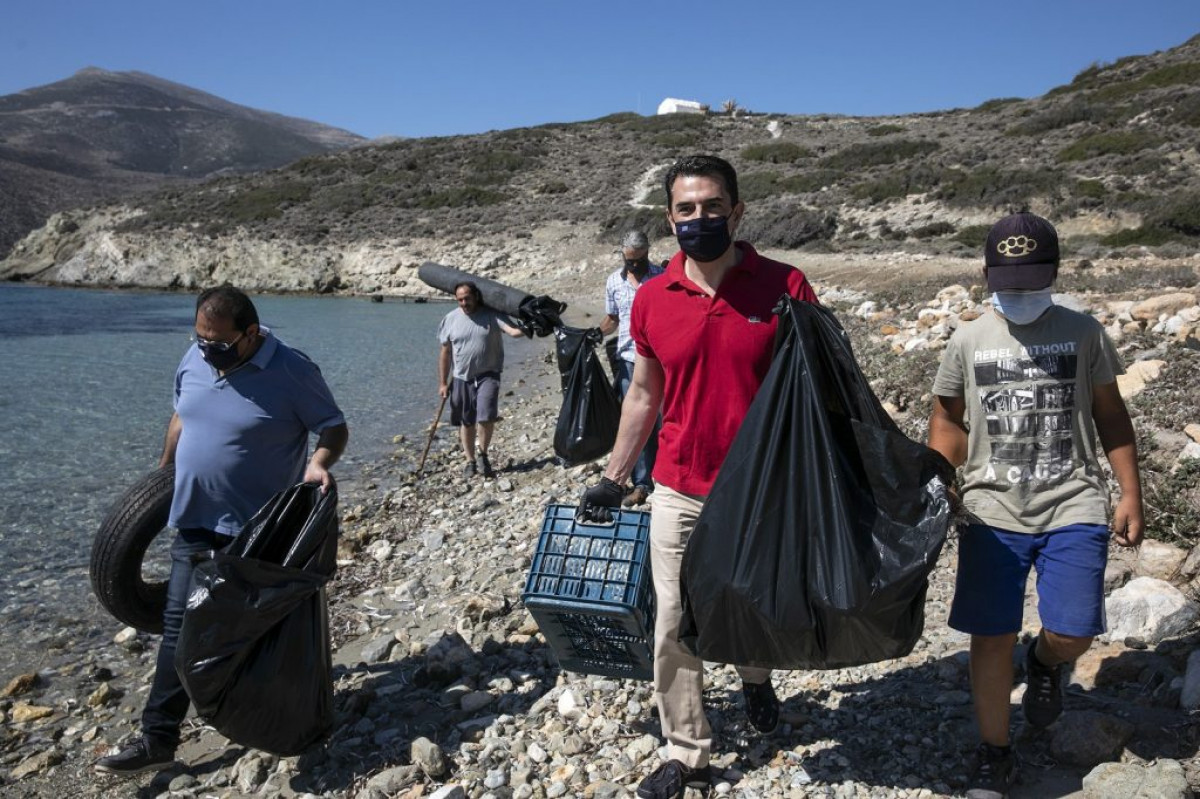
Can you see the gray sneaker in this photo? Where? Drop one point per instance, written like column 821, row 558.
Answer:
column 485, row 466
column 470, row 470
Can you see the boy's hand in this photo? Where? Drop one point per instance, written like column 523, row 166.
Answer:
column 1128, row 522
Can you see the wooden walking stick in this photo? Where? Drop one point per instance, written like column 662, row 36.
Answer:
column 432, row 430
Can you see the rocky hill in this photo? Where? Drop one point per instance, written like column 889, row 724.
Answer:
column 103, row 135
column 1111, row 158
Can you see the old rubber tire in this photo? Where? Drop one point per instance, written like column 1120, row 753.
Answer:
column 132, row 523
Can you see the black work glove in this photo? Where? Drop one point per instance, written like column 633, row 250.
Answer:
column 594, row 335
column 598, row 502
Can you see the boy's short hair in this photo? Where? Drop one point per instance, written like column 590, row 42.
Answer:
column 1021, row 254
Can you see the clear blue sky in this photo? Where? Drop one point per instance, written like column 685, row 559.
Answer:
column 437, row 68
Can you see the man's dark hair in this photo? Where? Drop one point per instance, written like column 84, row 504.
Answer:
column 471, row 285
column 708, row 166
column 226, row 302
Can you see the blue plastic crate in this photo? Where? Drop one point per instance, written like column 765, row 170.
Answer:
column 590, row 592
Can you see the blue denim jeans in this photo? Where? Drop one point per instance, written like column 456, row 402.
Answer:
column 168, row 702
column 645, row 462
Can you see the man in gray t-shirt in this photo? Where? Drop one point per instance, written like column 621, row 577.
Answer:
column 469, row 366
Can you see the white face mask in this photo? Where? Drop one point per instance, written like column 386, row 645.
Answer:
column 1022, row 307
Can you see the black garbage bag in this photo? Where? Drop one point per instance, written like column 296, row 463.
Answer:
column 614, row 360
column 254, row 652
column 540, row 316
column 816, row 542
column 591, row 412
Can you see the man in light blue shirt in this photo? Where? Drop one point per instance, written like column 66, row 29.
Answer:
column 619, row 291
column 245, row 404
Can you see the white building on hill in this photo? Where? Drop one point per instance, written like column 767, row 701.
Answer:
column 674, row 106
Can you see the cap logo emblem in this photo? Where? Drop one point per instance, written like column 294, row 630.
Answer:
column 1016, row 246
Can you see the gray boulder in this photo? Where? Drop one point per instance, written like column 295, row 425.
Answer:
column 1088, row 738
column 1149, row 609
column 1164, row 779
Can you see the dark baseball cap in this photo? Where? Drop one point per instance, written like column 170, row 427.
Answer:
column 1021, row 254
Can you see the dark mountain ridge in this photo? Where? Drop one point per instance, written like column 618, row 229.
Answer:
column 101, row 134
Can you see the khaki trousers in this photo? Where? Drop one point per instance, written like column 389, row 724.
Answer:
column 678, row 675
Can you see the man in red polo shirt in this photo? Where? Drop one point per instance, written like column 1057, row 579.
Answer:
column 704, row 333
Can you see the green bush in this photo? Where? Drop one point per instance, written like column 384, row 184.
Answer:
column 657, row 197
column 1069, row 113
column 779, row 152
column 973, row 236
column 757, row 185
column 932, row 230
column 460, row 197
column 885, row 188
column 1091, row 189
column 661, row 123
column 1132, row 279
column 677, row 140
column 1143, row 236
column 345, row 198
column 885, row 130
column 998, row 103
column 1174, row 219
column 1187, row 111
column 813, row 180
column 1092, row 75
column 1185, row 74
column 861, row 156
column 316, row 165
column 1181, row 214
column 1172, row 505
column 789, row 227
column 497, row 161
column 262, row 202
column 985, row 186
column 1115, row 142
column 1149, row 164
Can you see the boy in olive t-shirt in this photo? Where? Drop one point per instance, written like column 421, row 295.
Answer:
column 1021, row 397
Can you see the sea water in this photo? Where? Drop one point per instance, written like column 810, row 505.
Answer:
column 86, row 383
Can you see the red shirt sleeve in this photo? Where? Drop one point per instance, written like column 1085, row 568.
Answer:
column 800, row 288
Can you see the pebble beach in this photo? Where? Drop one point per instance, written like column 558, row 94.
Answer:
column 445, row 688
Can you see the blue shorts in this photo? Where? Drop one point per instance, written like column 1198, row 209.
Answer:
column 993, row 564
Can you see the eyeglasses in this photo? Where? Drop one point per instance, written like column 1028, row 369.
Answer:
column 216, row 346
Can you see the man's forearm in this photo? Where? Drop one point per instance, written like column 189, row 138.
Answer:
column 171, row 441
column 444, row 360
column 638, row 415
column 331, row 443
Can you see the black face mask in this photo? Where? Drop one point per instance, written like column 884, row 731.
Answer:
column 219, row 359
column 638, row 266
column 704, row 239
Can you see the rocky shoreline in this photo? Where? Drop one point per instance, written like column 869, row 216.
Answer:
column 445, row 688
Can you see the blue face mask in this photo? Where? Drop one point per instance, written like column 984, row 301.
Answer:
column 1022, row 307
column 704, row 239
